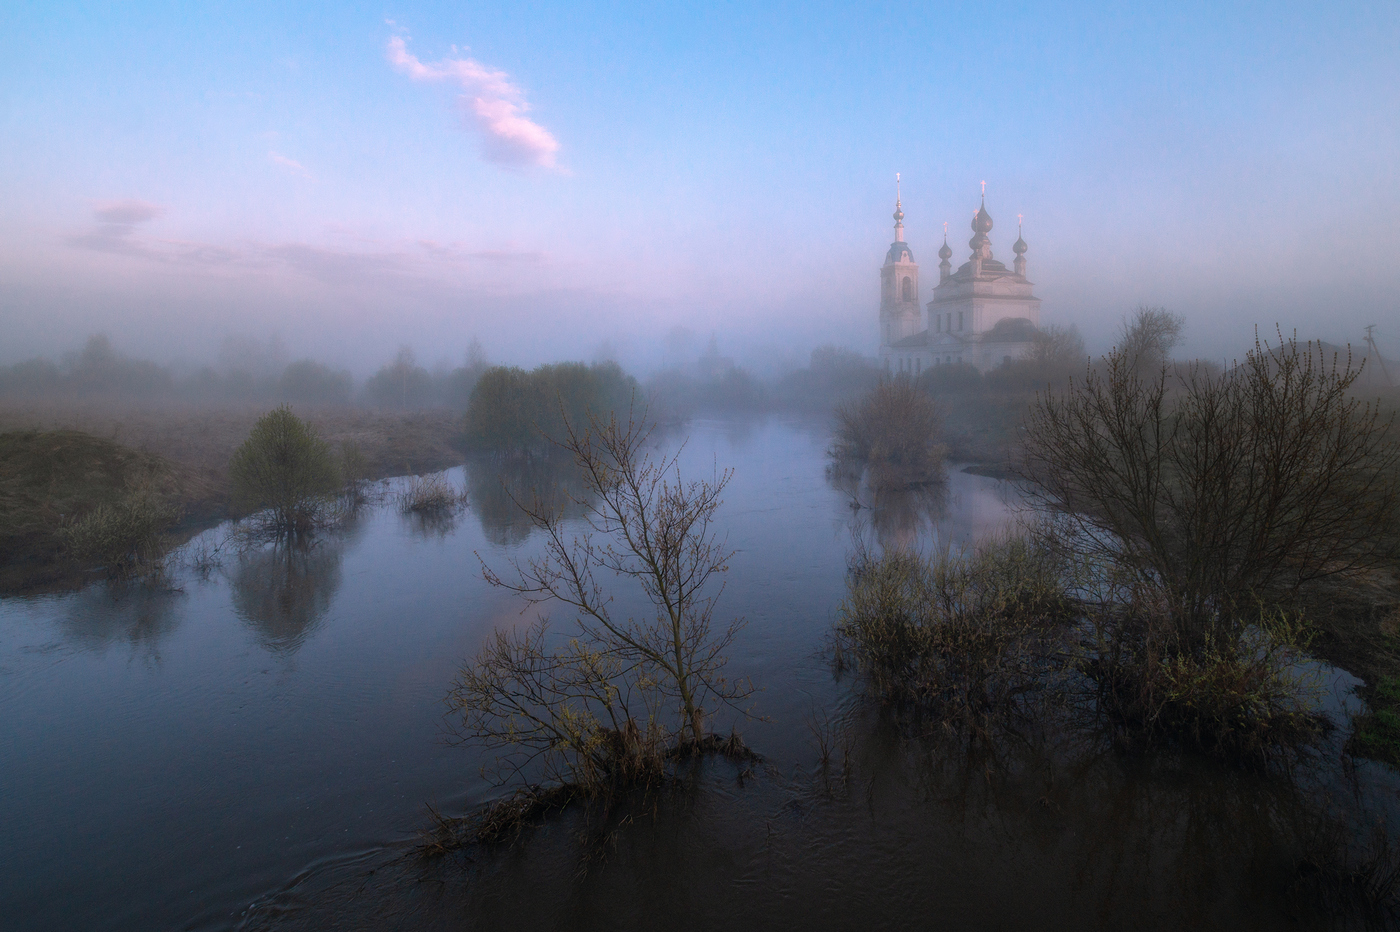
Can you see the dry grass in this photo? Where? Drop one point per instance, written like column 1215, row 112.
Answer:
column 56, row 480
column 123, row 538
column 960, row 637
column 430, row 495
column 203, row 439
column 58, row 461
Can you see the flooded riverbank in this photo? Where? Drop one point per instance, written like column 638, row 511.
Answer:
column 256, row 749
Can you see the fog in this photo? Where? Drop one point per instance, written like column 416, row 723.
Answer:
column 347, row 185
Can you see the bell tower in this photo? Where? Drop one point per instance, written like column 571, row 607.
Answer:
column 900, row 313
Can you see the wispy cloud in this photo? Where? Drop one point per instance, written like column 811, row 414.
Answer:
column 116, row 222
column 116, row 232
column 126, row 213
column 490, row 101
column 292, row 165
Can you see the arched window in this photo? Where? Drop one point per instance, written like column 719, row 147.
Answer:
column 908, row 288
column 960, row 320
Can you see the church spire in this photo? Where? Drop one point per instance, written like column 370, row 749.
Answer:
column 1020, row 250
column 945, row 268
column 898, row 212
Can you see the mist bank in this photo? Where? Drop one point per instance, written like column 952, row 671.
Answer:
column 689, row 381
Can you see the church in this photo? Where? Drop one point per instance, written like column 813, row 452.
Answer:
column 983, row 315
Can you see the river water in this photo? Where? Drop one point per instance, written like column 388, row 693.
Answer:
column 256, row 748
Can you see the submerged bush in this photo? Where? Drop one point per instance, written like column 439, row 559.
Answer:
column 1243, row 695
column 892, row 430
column 613, row 706
column 429, row 495
column 286, row 469
column 967, row 638
column 1377, row 733
column 961, row 636
column 124, row 537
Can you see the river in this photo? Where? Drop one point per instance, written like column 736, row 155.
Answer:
column 255, row 747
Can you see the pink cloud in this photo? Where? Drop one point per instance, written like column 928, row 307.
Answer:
column 490, row 101
column 291, row 165
column 126, row 212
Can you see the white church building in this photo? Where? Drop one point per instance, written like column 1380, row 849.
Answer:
column 984, row 314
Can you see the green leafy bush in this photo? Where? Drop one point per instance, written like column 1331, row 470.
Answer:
column 287, row 470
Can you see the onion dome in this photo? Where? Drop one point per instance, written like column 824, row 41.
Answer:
column 1019, row 247
column 945, row 253
column 982, row 221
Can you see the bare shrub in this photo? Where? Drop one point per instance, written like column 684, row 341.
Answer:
column 432, row 494
column 1200, row 499
column 354, row 473
column 609, row 708
column 1149, row 337
column 126, row 537
column 961, row 636
column 1228, row 488
column 892, row 430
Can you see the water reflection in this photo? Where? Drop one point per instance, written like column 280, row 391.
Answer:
column 284, row 592
column 897, row 516
column 494, row 486
column 1015, row 836
column 121, row 612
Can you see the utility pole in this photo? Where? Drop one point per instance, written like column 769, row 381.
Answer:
column 1371, row 342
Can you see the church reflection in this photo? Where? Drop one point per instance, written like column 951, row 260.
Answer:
column 897, row 517
column 283, row 592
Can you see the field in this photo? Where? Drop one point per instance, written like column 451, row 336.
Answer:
column 60, row 460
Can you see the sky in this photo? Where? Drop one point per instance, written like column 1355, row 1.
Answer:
column 572, row 181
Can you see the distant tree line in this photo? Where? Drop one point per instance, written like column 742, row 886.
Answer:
column 514, row 412
column 100, row 373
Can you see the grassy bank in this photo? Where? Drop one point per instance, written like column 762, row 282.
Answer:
column 59, row 462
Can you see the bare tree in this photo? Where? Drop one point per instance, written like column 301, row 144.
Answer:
column 1057, row 349
column 603, row 705
column 893, row 431
column 1149, row 337
column 1228, row 487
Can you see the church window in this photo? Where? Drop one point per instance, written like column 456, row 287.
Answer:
column 918, row 366
column 938, row 324
column 960, row 320
column 908, row 288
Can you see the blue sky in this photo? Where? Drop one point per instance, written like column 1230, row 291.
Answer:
column 551, row 177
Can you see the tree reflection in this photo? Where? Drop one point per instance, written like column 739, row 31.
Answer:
column 1166, row 834
column 897, row 516
column 133, row 612
column 495, row 485
column 283, row 592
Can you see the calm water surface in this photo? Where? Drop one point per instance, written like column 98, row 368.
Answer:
column 255, row 750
